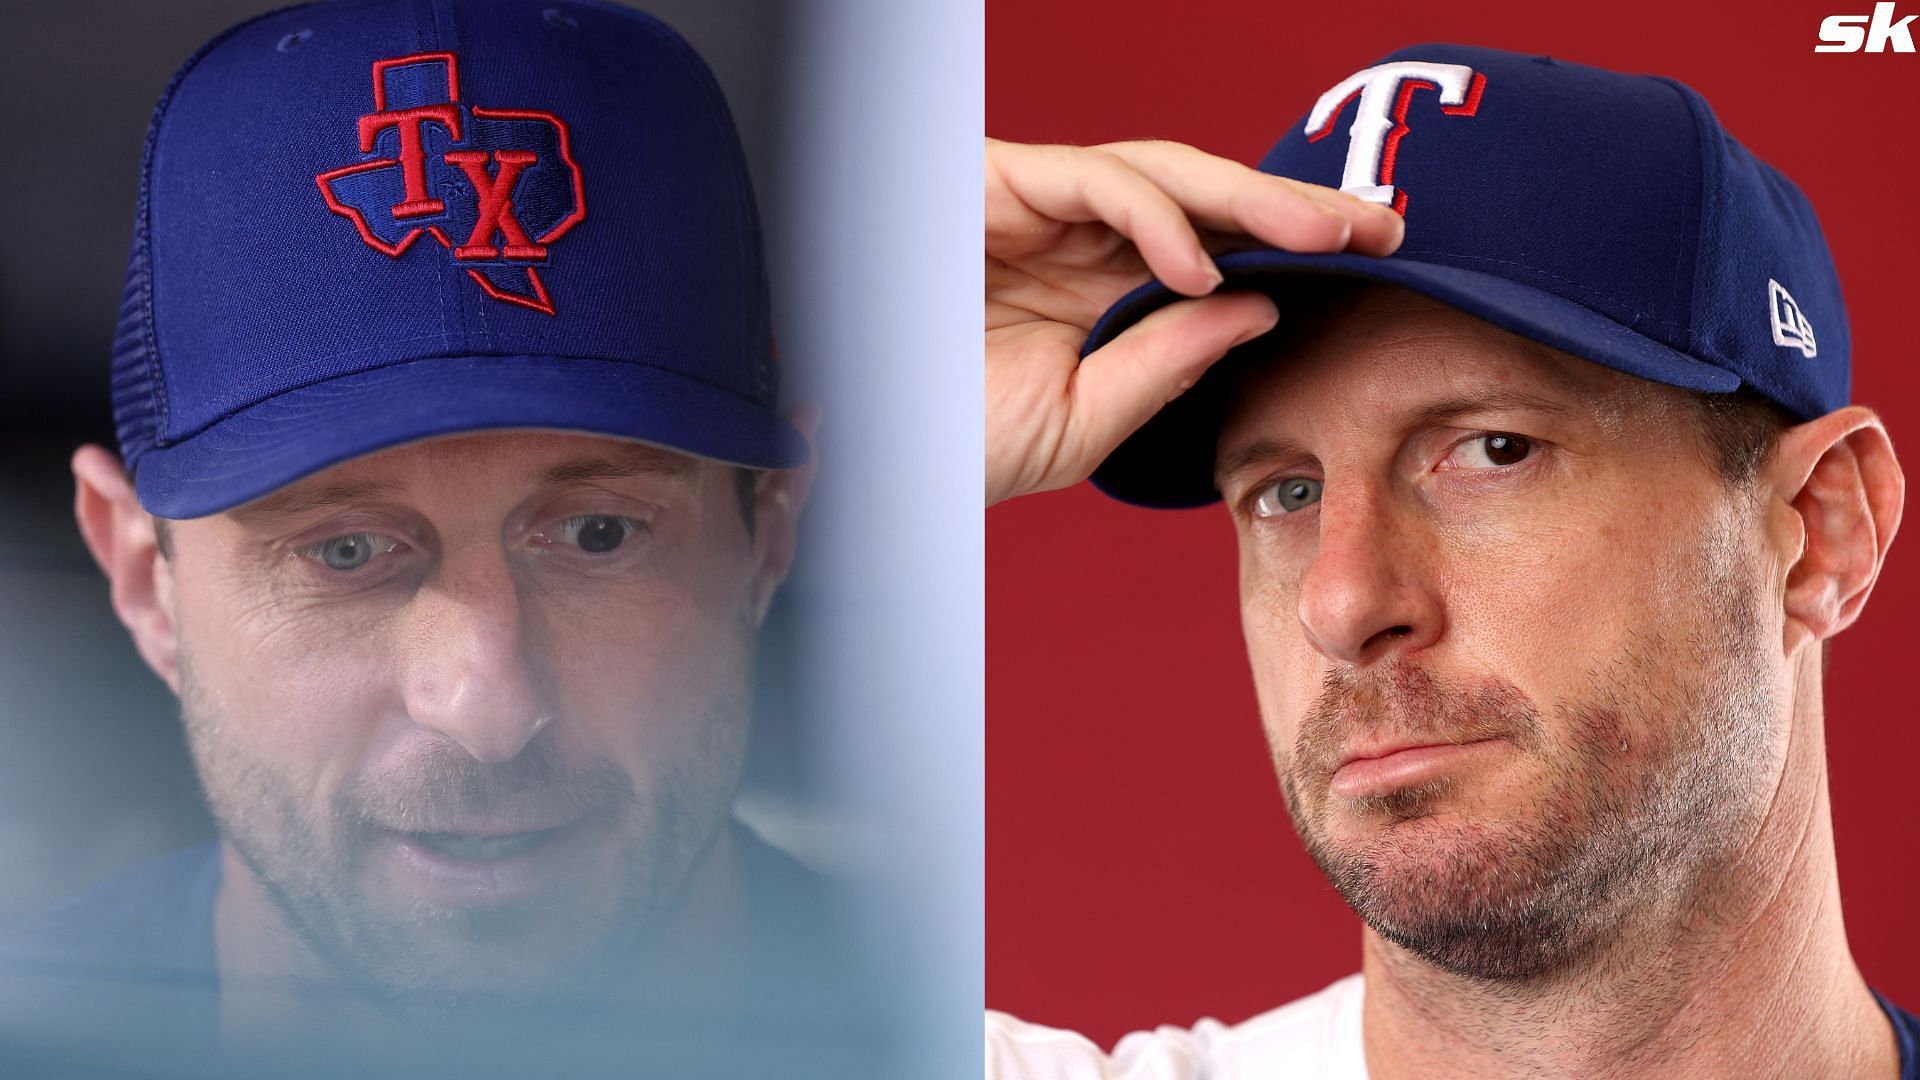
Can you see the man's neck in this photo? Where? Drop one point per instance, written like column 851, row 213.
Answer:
column 1763, row 985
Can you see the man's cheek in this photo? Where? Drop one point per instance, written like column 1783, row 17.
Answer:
column 1270, row 587
column 1286, row 670
column 645, row 672
column 309, row 703
column 1529, row 588
column 1285, row 665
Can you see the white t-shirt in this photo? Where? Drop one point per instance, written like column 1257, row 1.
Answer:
column 1317, row 1036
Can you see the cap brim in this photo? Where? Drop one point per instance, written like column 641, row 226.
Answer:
column 292, row 435
column 1168, row 463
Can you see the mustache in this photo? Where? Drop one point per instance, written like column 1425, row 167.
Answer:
column 441, row 787
column 1405, row 702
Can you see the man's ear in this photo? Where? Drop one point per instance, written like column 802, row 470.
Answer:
column 1839, row 476
column 778, row 496
column 121, row 537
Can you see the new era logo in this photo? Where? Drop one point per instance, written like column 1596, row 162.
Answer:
column 1790, row 325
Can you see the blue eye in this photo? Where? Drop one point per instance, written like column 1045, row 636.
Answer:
column 597, row 534
column 350, row 552
column 1286, row 496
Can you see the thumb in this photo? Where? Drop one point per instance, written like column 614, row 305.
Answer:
column 1124, row 382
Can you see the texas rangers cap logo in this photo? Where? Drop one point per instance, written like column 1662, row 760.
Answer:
column 1380, row 119
column 494, row 187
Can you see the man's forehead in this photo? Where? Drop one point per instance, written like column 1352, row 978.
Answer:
column 516, row 460
column 1382, row 339
column 1393, row 357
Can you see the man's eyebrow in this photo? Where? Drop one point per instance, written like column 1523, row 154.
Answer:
column 1258, row 452
column 1439, row 411
column 1265, row 450
column 641, row 461
column 306, row 499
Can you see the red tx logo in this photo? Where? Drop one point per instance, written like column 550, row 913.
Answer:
column 502, row 180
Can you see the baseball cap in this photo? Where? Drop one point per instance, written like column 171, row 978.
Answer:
column 1606, row 215
column 364, row 223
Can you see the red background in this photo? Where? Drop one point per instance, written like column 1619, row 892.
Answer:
column 1140, row 867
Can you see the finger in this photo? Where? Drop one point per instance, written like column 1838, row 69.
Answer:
column 1377, row 229
column 1079, row 185
column 1124, row 382
column 1225, row 195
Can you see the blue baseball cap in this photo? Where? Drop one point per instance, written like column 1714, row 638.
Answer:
column 1605, row 215
column 364, row 223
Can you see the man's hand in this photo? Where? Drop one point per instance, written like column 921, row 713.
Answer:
column 1072, row 229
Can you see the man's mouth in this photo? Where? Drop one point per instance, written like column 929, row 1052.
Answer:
column 482, row 848
column 491, row 865
column 1382, row 770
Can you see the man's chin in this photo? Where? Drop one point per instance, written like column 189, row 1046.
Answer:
column 406, row 926
column 449, row 969
column 437, row 956
column 1468, row 897
column 412, row 945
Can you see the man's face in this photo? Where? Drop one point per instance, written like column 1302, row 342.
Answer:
column 1516, row 641
column 472, row 708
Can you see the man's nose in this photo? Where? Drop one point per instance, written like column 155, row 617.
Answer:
column 469, row 673
column 1369, row 592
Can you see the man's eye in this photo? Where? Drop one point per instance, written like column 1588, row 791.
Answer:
column 596, row 534
column 349, row 552
column 1293, row 493
column 1489, row 452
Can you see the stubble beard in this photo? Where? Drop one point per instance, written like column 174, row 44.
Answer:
column 312, row 863
column 1648, row 784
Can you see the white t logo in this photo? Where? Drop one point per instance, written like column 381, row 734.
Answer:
column 1374, row 139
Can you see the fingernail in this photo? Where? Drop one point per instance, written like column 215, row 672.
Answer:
column 1214, row 276
column 1257, row 331
column 1367, row 204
